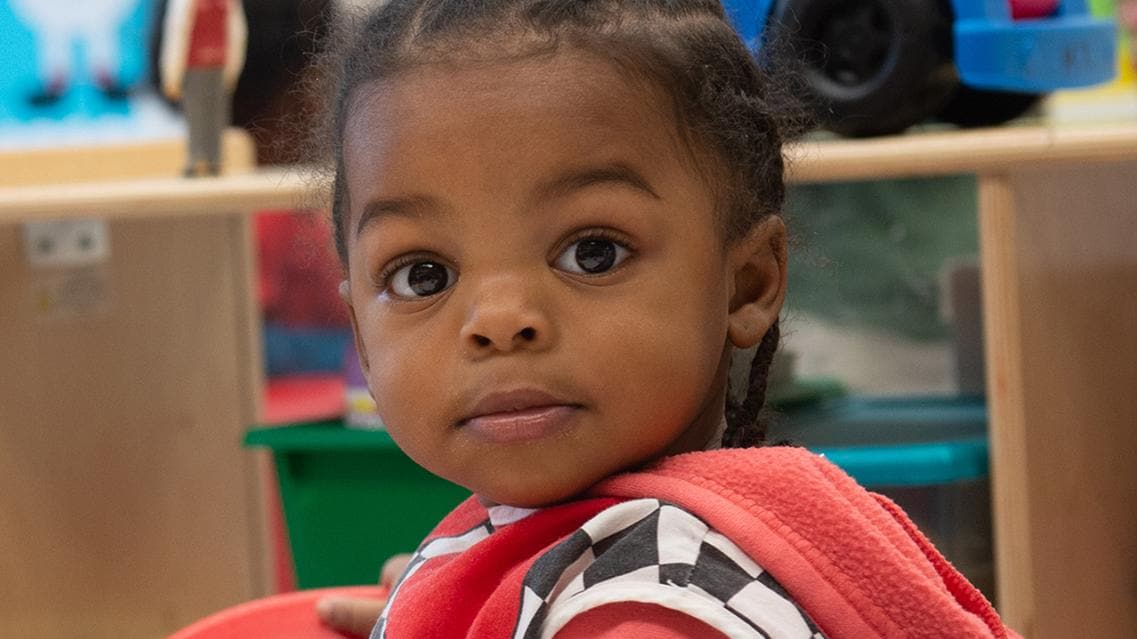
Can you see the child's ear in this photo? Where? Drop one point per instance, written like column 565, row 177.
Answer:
column 757, row 265
column 364, row 364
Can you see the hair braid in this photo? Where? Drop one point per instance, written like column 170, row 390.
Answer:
column 744, row 427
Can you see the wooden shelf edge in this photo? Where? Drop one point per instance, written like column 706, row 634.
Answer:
column 975, row 151
column 911, row 155
column 163, row 197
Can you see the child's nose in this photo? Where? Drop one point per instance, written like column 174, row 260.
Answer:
column 503, row 323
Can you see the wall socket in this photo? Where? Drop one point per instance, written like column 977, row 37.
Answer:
column 67, row 243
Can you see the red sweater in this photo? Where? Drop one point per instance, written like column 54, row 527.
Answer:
column 850, row 560
column 209, row 36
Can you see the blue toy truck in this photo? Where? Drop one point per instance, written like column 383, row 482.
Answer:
column 874, row 67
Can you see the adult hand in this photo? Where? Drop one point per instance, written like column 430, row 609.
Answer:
column 356, row 616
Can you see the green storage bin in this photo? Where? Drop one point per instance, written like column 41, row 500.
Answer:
column 351, row 499
column 928, row 454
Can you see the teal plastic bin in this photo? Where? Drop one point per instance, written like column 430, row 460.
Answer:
column 351, row 499
column 928, row 454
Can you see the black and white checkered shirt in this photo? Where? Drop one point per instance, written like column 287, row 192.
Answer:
column 643, row 551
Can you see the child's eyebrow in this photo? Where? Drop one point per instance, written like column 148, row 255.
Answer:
column 409, row 206
column 560, row 186
column 574, row 180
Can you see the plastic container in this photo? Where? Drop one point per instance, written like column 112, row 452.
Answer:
column 351, row 499
column 929, row 455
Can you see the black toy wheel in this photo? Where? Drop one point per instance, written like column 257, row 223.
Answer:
column 872, row 67
column 970, row 107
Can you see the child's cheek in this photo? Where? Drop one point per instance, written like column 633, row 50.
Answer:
column 409, row 367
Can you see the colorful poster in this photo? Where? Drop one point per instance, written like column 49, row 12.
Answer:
column 76, row 73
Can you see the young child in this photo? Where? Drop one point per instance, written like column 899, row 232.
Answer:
column 559, row 219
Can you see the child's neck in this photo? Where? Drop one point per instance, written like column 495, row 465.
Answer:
column 714, row 442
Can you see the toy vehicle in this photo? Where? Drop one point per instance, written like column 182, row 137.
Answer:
column 875, row 67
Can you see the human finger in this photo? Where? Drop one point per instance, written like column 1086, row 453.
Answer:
column 393, row 569
column 351, row 615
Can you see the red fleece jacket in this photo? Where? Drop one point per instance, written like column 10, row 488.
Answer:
column 850, row 558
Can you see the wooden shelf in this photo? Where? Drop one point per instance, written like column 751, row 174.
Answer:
column 981, row 151
column 159, row 197
column 830, row 160
column 129, row 508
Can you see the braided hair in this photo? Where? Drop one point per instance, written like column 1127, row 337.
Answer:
column 731, row 112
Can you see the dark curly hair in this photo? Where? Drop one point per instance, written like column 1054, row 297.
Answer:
column 730, row 110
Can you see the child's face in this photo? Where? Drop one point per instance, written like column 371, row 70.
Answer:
column 539, row 291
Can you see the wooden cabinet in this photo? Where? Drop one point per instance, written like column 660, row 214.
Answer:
column 127, row 507
column 1058, row 245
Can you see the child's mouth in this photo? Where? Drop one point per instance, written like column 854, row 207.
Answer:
column 517, row 416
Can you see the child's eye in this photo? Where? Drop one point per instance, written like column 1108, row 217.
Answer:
column 421, row 278
column 592, row 256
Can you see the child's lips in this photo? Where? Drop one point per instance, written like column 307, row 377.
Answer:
column 517, row 416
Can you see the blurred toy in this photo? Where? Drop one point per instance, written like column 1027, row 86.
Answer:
column 306, row 327
column 1127, row 14
column 360, row 410
column 58, row 26
column 203, row 52
column 875, row 67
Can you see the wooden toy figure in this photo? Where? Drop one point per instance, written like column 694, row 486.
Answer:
column 203, row 51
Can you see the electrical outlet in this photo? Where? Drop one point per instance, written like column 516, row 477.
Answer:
column 67, row 243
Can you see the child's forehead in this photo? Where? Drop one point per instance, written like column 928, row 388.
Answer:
column 546, row 110
column 571, row 86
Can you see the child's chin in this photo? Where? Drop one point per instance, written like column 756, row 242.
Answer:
column 532, row 496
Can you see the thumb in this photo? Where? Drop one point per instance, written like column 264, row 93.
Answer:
column 393, row 568
column 353, row 616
